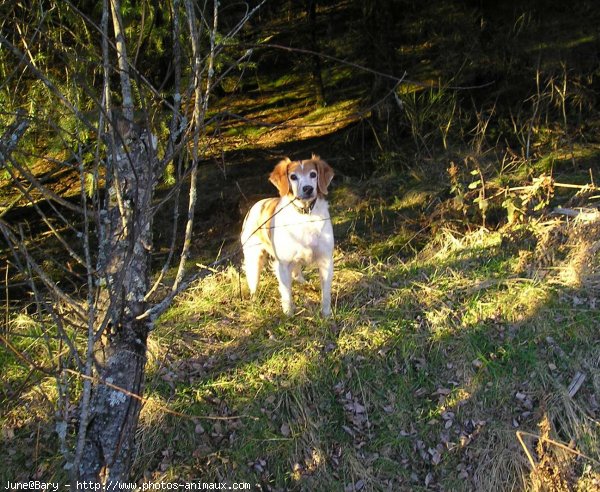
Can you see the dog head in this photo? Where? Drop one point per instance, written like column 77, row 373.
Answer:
column 304, row 180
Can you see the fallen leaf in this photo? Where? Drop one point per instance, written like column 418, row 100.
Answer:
column 348, row 430
column 358, row 408
column 520, row 396
column 428, row 479
column 436, row 456
column 8, row 433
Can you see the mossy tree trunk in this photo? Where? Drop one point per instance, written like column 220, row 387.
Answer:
column 110, row 417
column 124, row 256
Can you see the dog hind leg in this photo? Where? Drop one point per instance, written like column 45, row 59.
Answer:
column 254, row 259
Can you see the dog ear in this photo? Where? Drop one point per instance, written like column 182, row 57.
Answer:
column 325, row 175
column 279, row 177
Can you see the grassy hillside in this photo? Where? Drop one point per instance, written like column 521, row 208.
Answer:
column 463, row 353
column 444, row 346
column 432, row 365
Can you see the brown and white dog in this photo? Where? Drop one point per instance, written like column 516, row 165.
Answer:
column 293, row 229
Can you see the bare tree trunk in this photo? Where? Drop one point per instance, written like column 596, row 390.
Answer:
column 125, row 245
column 117, row 311
column 122, row 59
column 125, row 230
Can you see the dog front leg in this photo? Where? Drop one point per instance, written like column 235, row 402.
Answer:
column 326, row 276
column 283, row 272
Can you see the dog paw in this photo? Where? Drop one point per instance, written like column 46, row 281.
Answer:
column 288, row 309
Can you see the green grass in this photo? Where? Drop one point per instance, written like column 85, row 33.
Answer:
column 412, row 381
column 447, row 338
column 416, row 374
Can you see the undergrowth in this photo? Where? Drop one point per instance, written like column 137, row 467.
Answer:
column 434, row 366
column 452, row 361
column 463, row 353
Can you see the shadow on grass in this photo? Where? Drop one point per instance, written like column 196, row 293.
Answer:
column 429, row 366
column 423, row 377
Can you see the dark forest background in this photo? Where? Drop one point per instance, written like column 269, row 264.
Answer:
column 463, row 352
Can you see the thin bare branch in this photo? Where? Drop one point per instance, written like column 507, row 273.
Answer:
column 87, row 383
column 122, row 59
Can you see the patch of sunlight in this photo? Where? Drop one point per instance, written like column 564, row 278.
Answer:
column 441, row 321
column 482, row 238
column 293, row 366
column 337, row 75
column 518, row 301
column 245, row 131
column 208, row 294
column 153, row 411
column 416, row 49
column 412, row 199
column 286, row 368
column 333, row 112
column 412, row 87
column 38, row 403
column 455, row 399
column 324, row 121
column 448, row 244
column 566, row 44
column 392, row 245
column 581, row 266
column 346, row 279
column 23, row 321
column 576, row 267
column 282, row 81
column 554, row 160
column 579, row 41
column 365, row 338
column 316, row 459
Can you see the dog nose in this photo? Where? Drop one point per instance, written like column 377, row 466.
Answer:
column 307, row 190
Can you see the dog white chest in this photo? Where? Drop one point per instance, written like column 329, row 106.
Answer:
column 303, row 238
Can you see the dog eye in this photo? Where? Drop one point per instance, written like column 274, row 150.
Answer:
column 313, row 174
column 293, row 177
